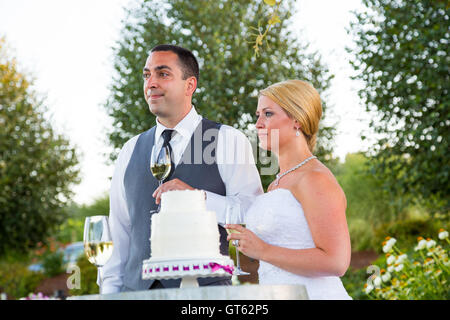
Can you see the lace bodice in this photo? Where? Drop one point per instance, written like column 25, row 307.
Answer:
column 278, row 219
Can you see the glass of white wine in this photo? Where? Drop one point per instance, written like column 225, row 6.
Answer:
column 160, row 166
column 98, row 244
column 234, row 216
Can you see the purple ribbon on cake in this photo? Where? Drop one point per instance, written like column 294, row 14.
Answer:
column 215, row 266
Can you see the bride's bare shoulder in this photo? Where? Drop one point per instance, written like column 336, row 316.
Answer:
column 318, row 184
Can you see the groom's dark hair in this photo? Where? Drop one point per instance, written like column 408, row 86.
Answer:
column 187, row 60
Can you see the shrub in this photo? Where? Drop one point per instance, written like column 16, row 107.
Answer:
column 352, row 282
column 368, row 205
column 408, row 230
column 423, row 273
column 88, row 278
column 16, row 280
column 53, row 263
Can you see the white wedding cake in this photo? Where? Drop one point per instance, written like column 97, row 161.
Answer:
column 185, row 240
column 184, row 229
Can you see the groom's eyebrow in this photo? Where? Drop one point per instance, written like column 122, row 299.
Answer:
column 158, row 68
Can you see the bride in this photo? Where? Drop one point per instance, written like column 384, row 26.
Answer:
column 297, row 229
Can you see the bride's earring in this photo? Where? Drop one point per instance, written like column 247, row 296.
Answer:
column 297, row 134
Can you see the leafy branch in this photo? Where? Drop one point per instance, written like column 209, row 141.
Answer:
column 274, row 19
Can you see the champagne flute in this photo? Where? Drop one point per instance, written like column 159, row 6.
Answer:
column 234, row 216
column 98, row 244
column 160, row 166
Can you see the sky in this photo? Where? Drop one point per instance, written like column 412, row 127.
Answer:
column 65, row 45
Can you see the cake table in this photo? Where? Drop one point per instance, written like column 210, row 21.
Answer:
column 187, row 269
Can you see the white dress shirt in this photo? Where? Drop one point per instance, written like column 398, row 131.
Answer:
column 237, row 169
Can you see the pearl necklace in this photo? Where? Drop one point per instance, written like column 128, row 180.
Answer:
column 279, row 176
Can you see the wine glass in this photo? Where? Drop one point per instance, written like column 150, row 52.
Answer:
column 98, row 244
column 160, row 166
column 234, row 216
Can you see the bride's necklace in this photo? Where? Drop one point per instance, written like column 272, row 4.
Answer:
column 279, row 176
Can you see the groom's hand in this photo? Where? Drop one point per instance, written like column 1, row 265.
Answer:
column 175, row 184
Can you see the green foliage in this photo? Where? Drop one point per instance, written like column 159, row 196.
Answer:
column 368, row 204
column 230, row 74
column 88, row 278
column 422, row 273
column 408, row 230
column 352, row 281
column 71, row 230
column 37, row 166
column 73, row 227
column 100, row 206
column 274, row 19
column 16, row 280
column 53, row 263
column 402, row 57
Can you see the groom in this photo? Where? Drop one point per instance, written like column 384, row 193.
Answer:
column 171, row 75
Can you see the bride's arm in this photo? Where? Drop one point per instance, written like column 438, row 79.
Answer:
column 324, row 205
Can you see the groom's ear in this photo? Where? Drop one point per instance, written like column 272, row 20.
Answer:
column 191, row 85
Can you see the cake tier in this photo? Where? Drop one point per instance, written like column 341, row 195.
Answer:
column 183, row 201
column 184, row 235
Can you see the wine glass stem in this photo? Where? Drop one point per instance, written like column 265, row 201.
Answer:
column 160, row 182
column 100, row 280
column 237, row 259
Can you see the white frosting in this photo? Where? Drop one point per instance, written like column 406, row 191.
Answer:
column 184, row 228
column 183, row 200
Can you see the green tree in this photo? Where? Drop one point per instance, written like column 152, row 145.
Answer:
column 368, row 204
column 402, row 57
column 374, row 213
column 37, row 166
column 73, row 227
column 230, row 73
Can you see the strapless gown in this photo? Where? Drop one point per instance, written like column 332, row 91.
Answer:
column 278, row 219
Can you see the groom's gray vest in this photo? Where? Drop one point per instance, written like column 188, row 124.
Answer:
column 194, row 169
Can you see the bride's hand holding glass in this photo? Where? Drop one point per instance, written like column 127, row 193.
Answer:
column 248, row 242
column 234, row 216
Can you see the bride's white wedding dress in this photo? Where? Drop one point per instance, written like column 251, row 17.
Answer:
column 278, row 219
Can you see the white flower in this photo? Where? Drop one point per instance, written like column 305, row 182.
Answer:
column 391, row 260
column 399, row 267
column 431, row 244
column 388, row 245
column 391, row 242
column 401, row 258
column 377, row 282
column 443, row 235
column 368, row 288
column 428, row 261
column 386, row 277
column 421, row 245
column 391, row 269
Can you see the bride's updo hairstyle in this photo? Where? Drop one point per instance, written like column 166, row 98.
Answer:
column 301, row 102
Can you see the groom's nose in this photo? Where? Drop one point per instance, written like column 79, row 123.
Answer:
column 151, row 82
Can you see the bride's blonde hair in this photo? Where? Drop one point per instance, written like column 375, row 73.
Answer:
column 301, row 102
